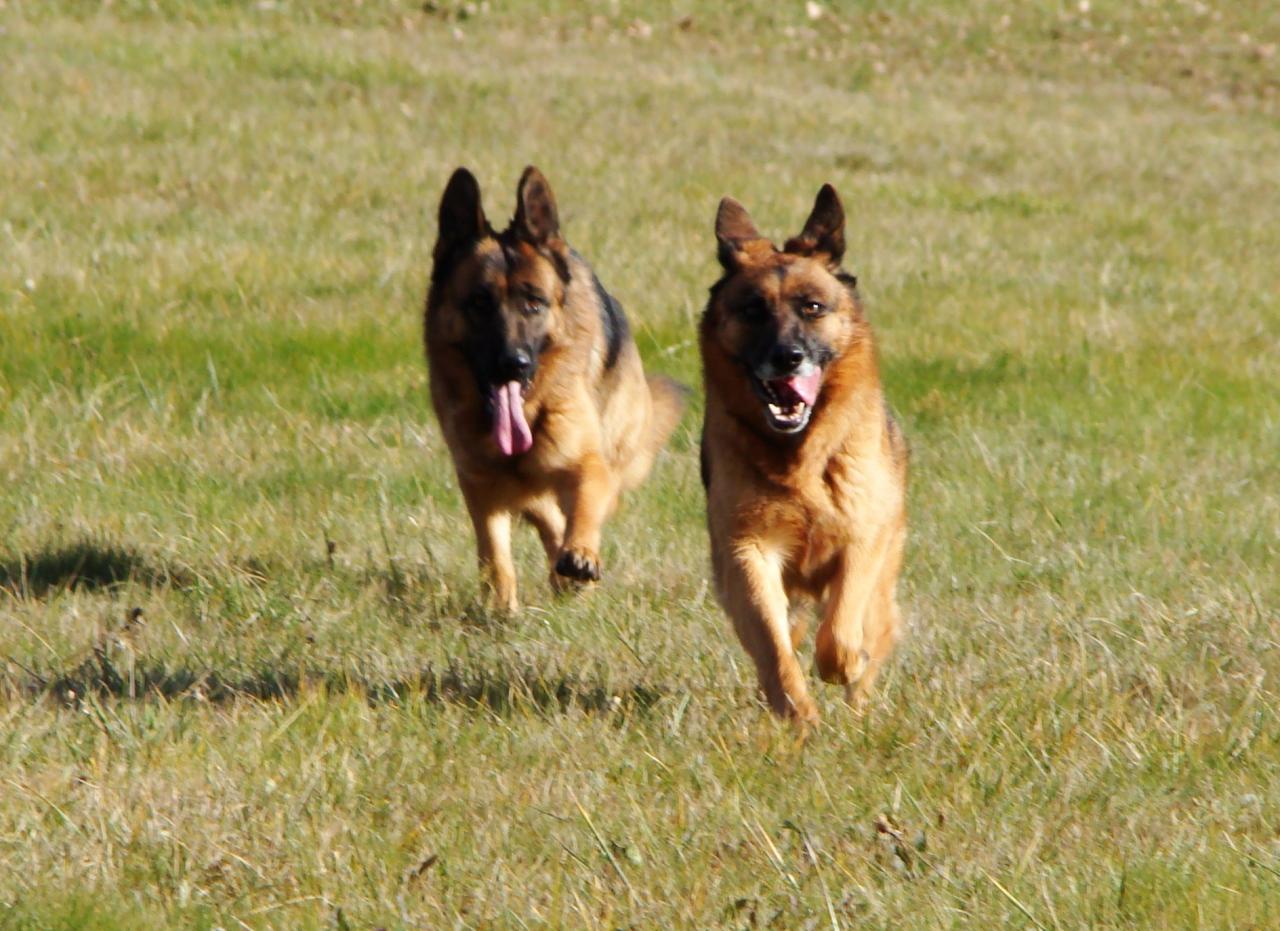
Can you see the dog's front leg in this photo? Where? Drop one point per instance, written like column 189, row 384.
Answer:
column 587, row 494
column 493, row 543
column 750, row 583
column 841, row 652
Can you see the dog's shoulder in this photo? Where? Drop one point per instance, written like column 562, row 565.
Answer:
column 613, row 322
column 615, row 329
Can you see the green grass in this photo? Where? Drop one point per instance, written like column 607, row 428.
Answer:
column 216, row 228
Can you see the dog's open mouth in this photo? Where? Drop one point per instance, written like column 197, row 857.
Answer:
column 788, row 401
column 510, row 429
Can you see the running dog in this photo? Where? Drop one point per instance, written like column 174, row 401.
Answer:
column 536, row 382
column 805, row 468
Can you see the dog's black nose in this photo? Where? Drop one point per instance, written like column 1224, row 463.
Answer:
column 787, row 357
column 517, row 365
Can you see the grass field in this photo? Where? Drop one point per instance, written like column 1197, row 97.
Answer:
column 245, row 678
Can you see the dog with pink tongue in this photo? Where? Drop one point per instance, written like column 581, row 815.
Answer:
column 537, row 383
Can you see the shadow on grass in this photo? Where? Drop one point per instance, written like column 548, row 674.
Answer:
column 85, row 564
column 504, row 690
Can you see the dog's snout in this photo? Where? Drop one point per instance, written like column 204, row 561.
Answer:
column 786, row 357
column 517, row 365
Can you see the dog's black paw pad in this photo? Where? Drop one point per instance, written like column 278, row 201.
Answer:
column 578, row 566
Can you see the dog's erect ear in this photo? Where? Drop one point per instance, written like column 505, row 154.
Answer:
column 823, row 233
column 536, row 220
column 461, row 216
column 733, row 230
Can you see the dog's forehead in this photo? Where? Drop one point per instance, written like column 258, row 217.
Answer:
column 512, row 264
column 505, row 266
column 783, row 275
column 528, row 266
column 486, row 264
column 802, row 275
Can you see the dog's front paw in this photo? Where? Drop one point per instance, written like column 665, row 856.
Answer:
column 578, row 564
column 838, row 664
column 502, row 604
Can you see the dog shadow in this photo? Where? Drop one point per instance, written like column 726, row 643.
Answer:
column 106, row 674
column 109, row 672
column 86, row 565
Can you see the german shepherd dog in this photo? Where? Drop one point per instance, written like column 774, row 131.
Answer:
column 805, row 468
column 536, row 382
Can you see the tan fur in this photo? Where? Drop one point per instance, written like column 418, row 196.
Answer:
column 820, row 515
column 596, row 429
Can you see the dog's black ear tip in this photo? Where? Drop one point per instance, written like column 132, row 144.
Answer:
column 462, row 191
column 461, row 214
column 828, row 201
column 462, row 180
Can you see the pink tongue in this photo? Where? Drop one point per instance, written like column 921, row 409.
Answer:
column 510, row 430
column 799, row 387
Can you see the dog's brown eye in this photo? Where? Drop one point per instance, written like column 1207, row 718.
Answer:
column 813, row 308
column 533, row 308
